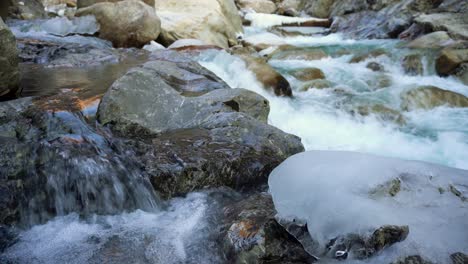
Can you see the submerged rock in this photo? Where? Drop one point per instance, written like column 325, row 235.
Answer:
column 412, row 65
column 365, row 56
column 254, row 236
column 128, row 23
column 53, row 163
column 316, row 84
column 375, row 66
column 9, row 72
column 293, row 53
column 428, row 97
column 215, row 22
column 382, row 112
column 308, row 74
column 267, row 75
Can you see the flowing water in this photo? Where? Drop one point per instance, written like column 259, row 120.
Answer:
column 323, row 118
column 184, row 229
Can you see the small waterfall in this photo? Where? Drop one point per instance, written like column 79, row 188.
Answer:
column 82, row 172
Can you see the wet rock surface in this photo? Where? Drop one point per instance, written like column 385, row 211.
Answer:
column 267, row 75
column 231, row 143
column 428, row 97
column 252, row 235
column 9, row 71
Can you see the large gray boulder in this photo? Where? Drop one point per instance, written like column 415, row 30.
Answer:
column 215, row 137
column 9, row 72
column 128, row 23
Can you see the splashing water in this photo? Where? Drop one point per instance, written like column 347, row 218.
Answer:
column 322, row 117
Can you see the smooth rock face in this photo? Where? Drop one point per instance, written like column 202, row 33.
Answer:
column 254, row 236
column 258, row 6
column 218, row 137
column 456, row 24
column 9, row 72
column 215, row 22
column 428, row 97
column 450, row 59
column 432, row 40
column 86, row 3
column 129, row 23
column 308, row 74
column 269, row 77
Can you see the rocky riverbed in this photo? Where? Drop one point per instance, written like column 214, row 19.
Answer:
column 222, row 131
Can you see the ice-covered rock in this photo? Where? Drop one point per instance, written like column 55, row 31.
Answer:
column 339, row 193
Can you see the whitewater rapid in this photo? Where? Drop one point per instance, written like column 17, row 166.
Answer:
column 320, row 118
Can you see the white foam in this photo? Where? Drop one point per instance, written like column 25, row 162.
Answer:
column 269, row 20
column 338, row 193
column 320, row 119
column 178, row 234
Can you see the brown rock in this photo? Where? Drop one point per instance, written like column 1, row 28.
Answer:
column 428, row 97
column 128, row 23
column 308, row 74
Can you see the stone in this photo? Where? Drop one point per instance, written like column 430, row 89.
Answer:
column 25, row 9
column 462, row 73
column 363, row 247
column 456, row 24
column 428, row 97
column 215, row 22
column 365, row 56
column 9, row 72
column 290, row 7
column 434, row 40
column 388, row 18
column 375, row 66
column 459, row 258
column 258, row 6
column 412, row 65
column 319, row 8
column 316, row 84
column 217, row 137
column 254, row 236
column 269, row 77
column 307, row 74
column 286, row 53
column 381, row 112
column 128, row 23
column 415, row 259
column 86, row 3
column 450, row 59
column 388, row 235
